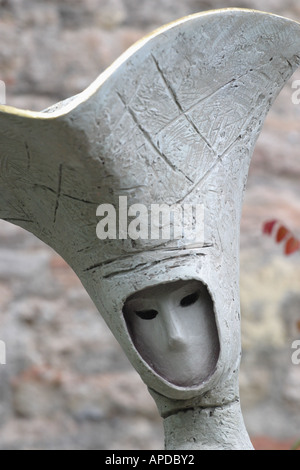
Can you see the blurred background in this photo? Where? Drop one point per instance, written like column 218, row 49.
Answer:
column 67, row 383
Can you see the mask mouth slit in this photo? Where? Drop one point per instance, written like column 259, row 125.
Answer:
column 173, row 328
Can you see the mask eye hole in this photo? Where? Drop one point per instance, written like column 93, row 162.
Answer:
column 189, row 300
column 147, row 314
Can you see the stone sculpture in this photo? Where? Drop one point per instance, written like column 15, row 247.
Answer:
column 173, row 122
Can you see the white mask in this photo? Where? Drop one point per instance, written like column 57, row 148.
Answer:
column 173, row 328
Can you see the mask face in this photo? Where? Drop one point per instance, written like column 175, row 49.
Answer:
column 173, row 328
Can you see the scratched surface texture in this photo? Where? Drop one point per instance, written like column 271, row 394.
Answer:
column 175, row 122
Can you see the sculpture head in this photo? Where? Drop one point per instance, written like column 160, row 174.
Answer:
column 173, row 328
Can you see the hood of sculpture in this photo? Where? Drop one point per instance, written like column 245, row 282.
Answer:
column 168, row 129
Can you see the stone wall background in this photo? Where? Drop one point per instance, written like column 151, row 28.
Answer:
column 67, row 384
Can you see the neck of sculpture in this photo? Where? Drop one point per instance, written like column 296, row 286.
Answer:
column 215, row 428
column 204, row 422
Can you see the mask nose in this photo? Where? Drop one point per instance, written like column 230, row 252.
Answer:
column 175, row 333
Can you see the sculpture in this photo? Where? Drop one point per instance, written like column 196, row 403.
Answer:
column 182, row 343
column 174, row 121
